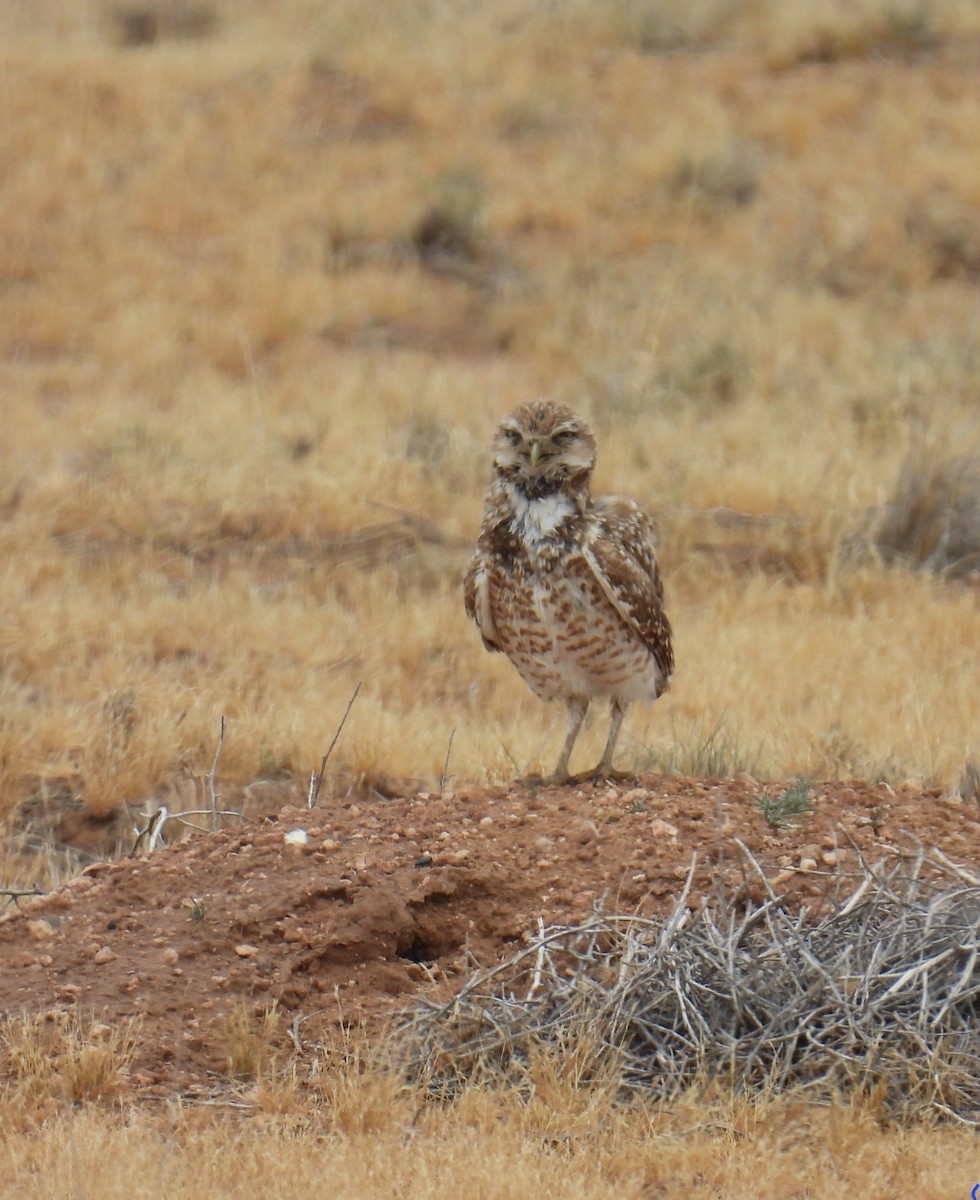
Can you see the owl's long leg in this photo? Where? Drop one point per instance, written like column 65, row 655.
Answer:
column 605, row 768
column 577, row 708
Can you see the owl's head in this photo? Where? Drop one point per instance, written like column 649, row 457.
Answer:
column 542, row 446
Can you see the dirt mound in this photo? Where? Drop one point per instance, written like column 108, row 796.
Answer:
column 344, row 914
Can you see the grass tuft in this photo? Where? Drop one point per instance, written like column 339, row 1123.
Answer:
column 932, row 521
column 59, row 1057
column 704, row 753
column 794, row 801
column 248, row 1037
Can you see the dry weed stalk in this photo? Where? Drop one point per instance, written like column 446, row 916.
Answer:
column 879, row 995
column 316, row 777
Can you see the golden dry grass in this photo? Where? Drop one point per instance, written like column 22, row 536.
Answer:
column 230, row 367
column 490, row 1153
column 356, row 1131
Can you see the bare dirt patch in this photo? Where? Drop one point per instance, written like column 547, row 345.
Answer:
column 375, row 903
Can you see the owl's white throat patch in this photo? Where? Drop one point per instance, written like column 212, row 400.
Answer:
column 536, row 520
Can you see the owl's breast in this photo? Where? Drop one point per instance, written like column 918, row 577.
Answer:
column 562, row 634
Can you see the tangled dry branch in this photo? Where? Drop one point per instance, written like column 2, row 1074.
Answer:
column 879, row 997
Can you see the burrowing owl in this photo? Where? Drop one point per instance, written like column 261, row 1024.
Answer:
column 566, row 586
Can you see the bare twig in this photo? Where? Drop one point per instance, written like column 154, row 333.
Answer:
column 444, row 777
column 147, row 838
column 317, row 779
column 882, row 987
column 16, row 894
column 212, row 779
column 293, row 1032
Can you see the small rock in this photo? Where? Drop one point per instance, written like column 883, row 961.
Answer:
column 170, row 956
column 246, row 951
column 808, row 864
column 660, row 828
column 296, row 837
column 584, row 832
column 486, row 822
column 103, row 955
column 40, row 930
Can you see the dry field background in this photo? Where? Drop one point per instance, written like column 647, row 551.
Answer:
column 270, row 273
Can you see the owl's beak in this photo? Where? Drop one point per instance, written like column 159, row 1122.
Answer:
column 534, row 452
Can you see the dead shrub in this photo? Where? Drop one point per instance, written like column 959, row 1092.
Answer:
column 932, row 521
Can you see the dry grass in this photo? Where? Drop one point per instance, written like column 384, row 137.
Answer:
column 366, row 1135
column 270, row 273
column 57, row 1059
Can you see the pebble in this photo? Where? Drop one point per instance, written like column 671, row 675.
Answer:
column 584, row 832
column 296, row 837
column 103, row 955
column 170, row 956
column 246, row 951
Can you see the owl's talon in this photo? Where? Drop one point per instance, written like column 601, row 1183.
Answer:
column 598, row 775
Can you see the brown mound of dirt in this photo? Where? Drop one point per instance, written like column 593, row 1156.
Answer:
column 372, row 904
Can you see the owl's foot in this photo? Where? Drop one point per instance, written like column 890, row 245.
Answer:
column 555, row 779
column 602, row 774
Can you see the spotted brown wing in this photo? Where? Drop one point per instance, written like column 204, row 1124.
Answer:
column 623, row 558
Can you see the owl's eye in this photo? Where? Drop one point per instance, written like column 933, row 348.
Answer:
column 513, row 436
column 564, row 436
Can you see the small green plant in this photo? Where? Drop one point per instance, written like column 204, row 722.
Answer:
column 794, row 801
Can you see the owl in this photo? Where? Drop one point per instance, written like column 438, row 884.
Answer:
column 568, row 586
